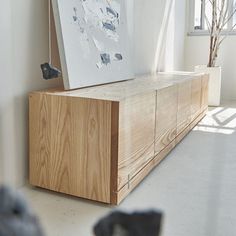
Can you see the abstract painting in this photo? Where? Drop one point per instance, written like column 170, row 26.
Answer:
column 93, row 41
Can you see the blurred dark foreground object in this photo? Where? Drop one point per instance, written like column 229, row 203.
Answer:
column 16, row 219
column 136, row 224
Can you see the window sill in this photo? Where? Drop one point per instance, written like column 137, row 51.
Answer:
column 206, row 33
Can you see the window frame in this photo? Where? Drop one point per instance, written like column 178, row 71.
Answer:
column 201, row 32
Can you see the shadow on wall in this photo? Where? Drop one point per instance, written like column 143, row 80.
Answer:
column 21, row 138
column 1, row 149
column 148, row 18
column 32, row 31
column 170, row 47
column 160, row 62
column 7, row 168
column 29, row 47
column 159, row 32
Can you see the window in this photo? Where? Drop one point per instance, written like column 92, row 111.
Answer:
column 201, row 15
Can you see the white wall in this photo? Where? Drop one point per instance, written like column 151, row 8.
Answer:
column 148, row 19
column 157, row 43
column 159, row 33
column 196, row 53
column 5, row 64
column 174, row 46
column 23, row 47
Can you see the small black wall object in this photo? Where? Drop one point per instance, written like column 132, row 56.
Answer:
column 136, row 224
column 50, row 72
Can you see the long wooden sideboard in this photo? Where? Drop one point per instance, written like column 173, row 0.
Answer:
column 99, row 143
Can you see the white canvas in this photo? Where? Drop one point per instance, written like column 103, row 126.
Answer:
column 93, row 41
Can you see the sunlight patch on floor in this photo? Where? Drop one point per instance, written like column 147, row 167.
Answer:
column 220, row 120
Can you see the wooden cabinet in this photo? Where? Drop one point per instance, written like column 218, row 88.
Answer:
column 99, row 143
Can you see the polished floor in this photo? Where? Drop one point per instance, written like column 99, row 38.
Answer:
column 195, row 187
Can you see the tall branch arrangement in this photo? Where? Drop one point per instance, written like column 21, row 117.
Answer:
column 222, row 14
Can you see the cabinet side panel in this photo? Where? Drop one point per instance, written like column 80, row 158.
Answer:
column 39, row 139
column 166, row 117
column 136, row 135
column 78, row 162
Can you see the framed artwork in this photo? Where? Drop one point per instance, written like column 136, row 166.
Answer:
column 93, row 41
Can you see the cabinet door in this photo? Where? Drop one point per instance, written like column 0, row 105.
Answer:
column 205, row 85
column 196, row 98
column 184, row 106
column 136, row 135
column 166, row 117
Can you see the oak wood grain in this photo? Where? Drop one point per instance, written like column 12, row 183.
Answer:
column 184, row 106
column 196, row 97
column 143, row 173
column 166, row 117
column 205, row 88
column 198, row 119
column 136, row 135
column 125, row 89
column 183, row 134
column 70, row 145
column 39, row 139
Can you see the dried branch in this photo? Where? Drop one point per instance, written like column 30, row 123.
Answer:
column 228, row 32
column 221, row 15
column 229, row 18
column 208, row 22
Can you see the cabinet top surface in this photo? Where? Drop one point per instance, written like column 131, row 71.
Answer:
column 121, row 90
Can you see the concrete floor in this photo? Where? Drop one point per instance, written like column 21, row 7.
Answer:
column 195, row 186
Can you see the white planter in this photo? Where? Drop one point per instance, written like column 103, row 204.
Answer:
column 214, row 83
